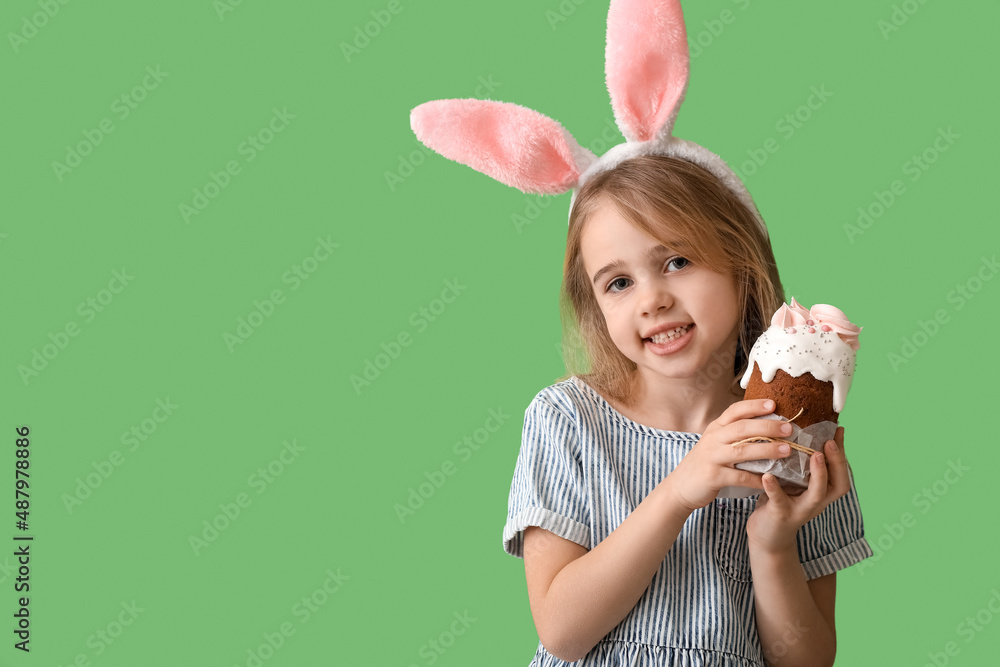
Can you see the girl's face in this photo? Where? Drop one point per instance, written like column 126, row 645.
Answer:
column 643, row 287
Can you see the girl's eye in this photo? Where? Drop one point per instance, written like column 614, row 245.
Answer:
column 613, row 283
column 682, row 260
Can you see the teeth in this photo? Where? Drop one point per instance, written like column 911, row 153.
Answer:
column 665, row 336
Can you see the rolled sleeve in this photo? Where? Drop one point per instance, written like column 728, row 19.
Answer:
column 835, row 539
column 548, row 489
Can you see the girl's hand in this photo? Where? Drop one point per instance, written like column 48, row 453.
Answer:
column 709, row 466
column 775, row 522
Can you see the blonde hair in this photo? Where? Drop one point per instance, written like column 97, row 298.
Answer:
column 685, row 207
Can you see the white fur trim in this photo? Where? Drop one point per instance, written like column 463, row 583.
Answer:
column 673, row 147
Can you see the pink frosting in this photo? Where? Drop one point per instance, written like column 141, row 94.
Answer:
column 789, row 316
column 820, row 314
column 836, row 320
column 784, row 317
column 797, row 308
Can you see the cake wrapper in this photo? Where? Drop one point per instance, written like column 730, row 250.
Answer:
column 793, row 470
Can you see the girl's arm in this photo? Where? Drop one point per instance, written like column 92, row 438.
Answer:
column 578, row 596
column 795, row 617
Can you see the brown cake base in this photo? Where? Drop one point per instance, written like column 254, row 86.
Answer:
column 815, row 397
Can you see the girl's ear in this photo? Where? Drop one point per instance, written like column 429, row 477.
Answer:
column 510, row 143
column 646, row 65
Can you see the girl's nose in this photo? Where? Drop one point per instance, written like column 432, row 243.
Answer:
column 653, row 295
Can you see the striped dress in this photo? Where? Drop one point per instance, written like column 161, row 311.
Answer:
column 584, row 467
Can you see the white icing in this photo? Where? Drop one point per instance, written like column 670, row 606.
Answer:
column 822, row 353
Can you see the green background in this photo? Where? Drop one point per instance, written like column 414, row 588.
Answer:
column 331, row 508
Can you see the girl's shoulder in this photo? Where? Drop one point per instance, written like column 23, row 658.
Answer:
column 573, row 401
column 570, row 396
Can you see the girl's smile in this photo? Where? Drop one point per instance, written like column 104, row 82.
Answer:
column 670, row 342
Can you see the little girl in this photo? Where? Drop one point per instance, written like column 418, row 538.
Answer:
column 630, row 557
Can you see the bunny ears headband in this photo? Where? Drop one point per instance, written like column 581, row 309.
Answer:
column 646, row 66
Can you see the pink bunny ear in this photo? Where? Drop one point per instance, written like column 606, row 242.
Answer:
column 646, row 63
column 510, row 143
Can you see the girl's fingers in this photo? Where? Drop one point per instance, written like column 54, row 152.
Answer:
column 839, row 476
column 745, row 410
column 772, row 428
column 751, row 451
column 818, row 477
column 743, row 478
column 748, row 428
column 775, row 494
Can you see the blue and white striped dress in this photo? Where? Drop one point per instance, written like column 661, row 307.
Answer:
column 584, row 467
